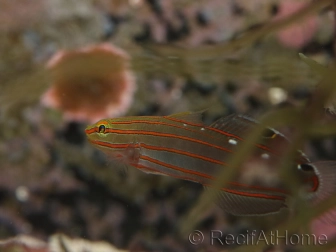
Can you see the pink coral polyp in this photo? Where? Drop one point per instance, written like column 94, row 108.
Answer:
column 90, row 83
column 296, row 35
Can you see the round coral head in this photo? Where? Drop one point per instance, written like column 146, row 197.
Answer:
column 90, row 83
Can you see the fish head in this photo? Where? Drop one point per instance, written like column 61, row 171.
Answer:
column 99, row 136
column 112, row 138
column 98, row 131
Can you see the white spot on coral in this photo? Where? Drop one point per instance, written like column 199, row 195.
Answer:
column 233, row 142
column 277, row 95
column 265, row 156
column 202, row 129
column 22, row 193
column 185, row 125
column 135, row 3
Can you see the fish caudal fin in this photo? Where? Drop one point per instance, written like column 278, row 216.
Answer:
column 326, row 173
column 248, row 205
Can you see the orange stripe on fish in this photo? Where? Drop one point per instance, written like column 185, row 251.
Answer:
column 153, row 133
column 123, row 146
column 155, row 161
column 186, row 153
column 258, row 195
column 218, row 131
column 161, row 124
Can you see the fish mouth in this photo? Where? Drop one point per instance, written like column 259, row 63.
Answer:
column 91, row 140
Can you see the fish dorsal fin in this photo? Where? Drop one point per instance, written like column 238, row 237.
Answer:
column 241, row 125
column 194, row 117
column 247, row 205
column 235, row 124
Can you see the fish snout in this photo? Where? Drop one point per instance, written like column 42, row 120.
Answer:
column 89, row 130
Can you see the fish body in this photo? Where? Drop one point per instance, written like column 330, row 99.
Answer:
column 181, row 146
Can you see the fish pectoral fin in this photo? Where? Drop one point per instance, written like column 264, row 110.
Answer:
column 195, row 117
column 118, row 167
column 240, row 204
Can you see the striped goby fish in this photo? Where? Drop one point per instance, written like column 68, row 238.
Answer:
column 181, row 146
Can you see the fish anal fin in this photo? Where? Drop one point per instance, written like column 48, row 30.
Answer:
column 247, row 205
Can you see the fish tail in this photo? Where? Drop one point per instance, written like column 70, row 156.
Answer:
column 326, row 173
